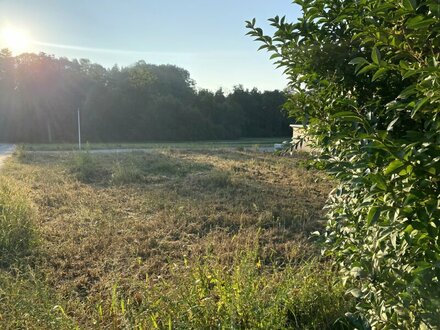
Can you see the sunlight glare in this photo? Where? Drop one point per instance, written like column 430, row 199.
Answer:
column 16, row 40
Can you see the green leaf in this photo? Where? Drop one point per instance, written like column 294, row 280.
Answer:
column 348, row 116
column 419, row 22
column 367, row 68
column 379, row 73
column 403, row 64
column 357, row 36
column 373, row 215
column 355, row 293
column 435, row 9
column 410, row 4
column 410, row 74
column 418, row 105
column 357, row 272
column 359, row 60
column 394, row 166
column 375, row 55
column 379, row 181
column 391, row 125
column 422, row 266
column 410, row 90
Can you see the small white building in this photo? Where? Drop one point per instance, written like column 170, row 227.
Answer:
column 298, row 136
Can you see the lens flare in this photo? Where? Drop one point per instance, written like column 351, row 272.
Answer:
column 16, row 40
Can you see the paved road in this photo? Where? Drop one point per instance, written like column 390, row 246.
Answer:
column 5, row 151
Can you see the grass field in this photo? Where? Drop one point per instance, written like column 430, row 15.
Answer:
column 241, row 143
column 181, row 239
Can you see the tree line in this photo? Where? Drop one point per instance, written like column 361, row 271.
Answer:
column 40, row 95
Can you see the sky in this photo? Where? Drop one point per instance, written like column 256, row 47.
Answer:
column 206, row 37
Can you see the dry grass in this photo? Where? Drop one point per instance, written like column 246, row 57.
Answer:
column 136, row 216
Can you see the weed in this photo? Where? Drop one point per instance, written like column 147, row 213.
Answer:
column 28, row 303
column 85, row 168
column 206, row 294
column 17, row 233
column 21, row 152
column 125, row 173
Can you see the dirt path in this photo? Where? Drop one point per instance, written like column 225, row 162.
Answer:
column 5, row 151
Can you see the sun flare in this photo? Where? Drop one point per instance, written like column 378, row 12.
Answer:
column 16, row 40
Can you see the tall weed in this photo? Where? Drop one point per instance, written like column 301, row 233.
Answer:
column 206, row 294
column 126, row 173
column 85, row 168
column 28, row 303
column 18, row 237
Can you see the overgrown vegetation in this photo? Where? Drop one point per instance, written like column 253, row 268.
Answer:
column 28, row 303
column 365, row 77
column 211, row 240
column 207, row 294
column 85, row 167
column 18, row 238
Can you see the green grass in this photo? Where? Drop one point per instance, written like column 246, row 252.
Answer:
column 204, row 294
column 18, row 237
column 187, row 239
column 29, row 303
column 241, row 143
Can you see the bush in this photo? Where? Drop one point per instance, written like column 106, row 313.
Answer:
column 85, row 168
column 365, row 77
column 20, row 152
column 18, row 237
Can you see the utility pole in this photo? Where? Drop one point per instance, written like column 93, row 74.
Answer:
column 79, row 130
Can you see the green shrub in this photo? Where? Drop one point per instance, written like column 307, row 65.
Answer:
column 20, row 152
column 365, row 76
column 85, row 168
column 17, row 233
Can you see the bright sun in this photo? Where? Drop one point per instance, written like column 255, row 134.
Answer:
column 16, row 40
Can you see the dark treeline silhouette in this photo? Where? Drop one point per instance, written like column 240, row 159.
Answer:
column 40, row 95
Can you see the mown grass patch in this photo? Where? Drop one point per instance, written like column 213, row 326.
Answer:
column 175, row 218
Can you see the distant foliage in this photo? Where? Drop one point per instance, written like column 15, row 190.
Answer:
column 40, row 95
column 365, row 75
